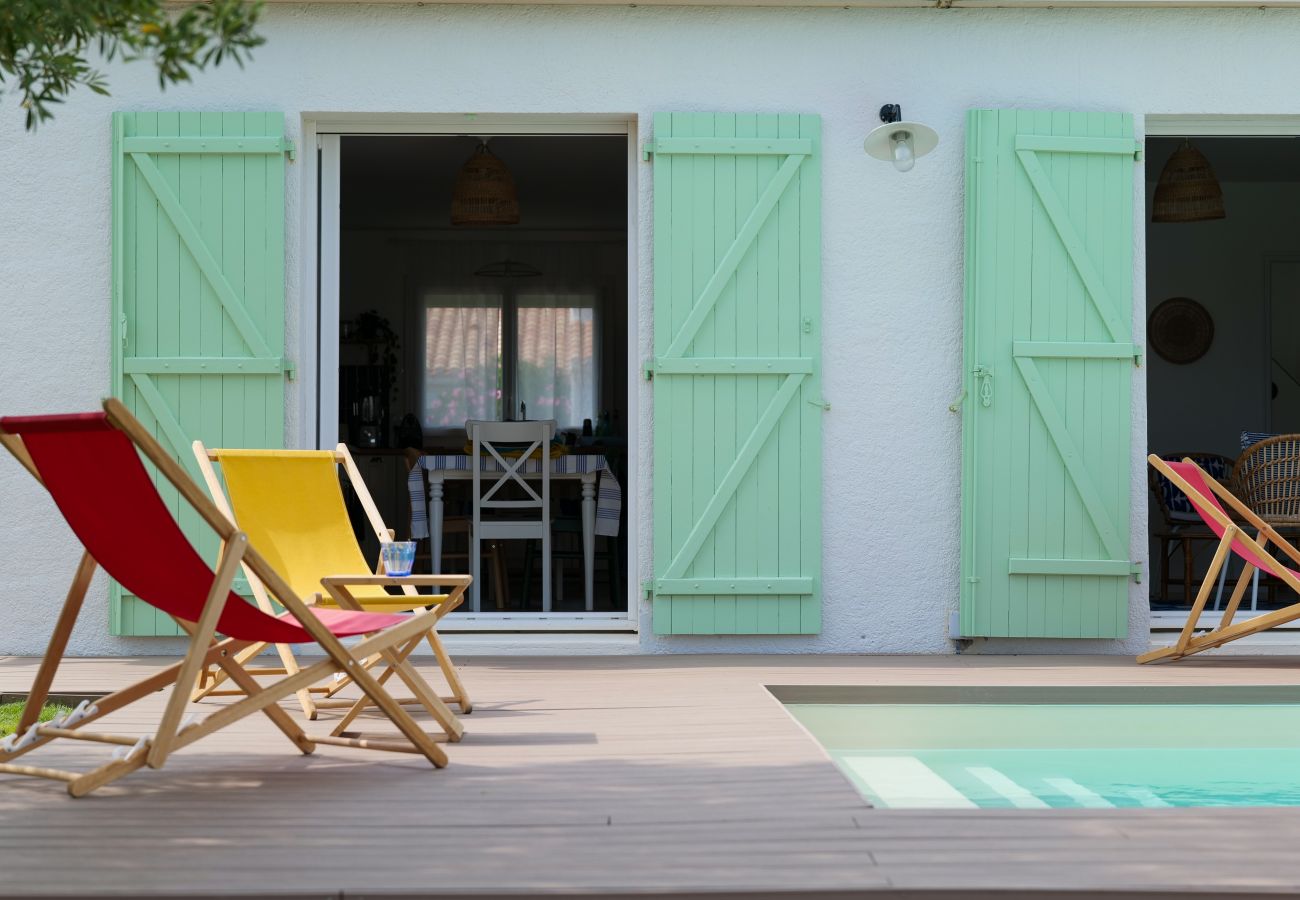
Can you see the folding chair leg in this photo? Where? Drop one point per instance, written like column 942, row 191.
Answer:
column 200, row 643
column 441, row 713
column 375, row 691
column 58, row 642
column 282, row 719
column 359, row 705
column 450, row 673
column 1202, row 596
column 1184, row 639
column 291, row 668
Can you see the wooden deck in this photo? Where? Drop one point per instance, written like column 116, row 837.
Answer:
column 602, row 776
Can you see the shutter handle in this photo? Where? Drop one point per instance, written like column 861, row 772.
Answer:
column 122, row 321
column 984, row 384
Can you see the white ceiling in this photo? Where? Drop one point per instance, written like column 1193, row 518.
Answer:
column 405, row 181
column 1234, row 158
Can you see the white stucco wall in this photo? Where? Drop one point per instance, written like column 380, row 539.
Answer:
column 892, row 258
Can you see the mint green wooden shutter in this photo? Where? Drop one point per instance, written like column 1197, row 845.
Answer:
column 1049, row 357
column 737, row 434
column 198, row 294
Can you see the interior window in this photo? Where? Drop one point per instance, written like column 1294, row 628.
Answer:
column 555, row 358
column 489, row 354
column 462, row 359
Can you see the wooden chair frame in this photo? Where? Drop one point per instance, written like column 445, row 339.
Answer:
column 485, row 436
column 211, row 680
column 393, row 645
column 1188, row 642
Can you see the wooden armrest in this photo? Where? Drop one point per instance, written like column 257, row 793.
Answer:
column 398, row 580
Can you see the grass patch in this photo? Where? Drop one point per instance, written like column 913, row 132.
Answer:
column 11, row 712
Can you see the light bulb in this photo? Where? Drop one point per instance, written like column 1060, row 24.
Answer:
column 904, row 158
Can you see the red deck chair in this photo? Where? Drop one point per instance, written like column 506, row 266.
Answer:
column 1205, row 493
column 90, row 466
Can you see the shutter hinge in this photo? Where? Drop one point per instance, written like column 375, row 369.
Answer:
column 291, row 149
column 289, row 367
column 648, row 590
column 649, row 371
column 1137, row 151
column 1136, row 571
column 1137, row 355
column 647, row 150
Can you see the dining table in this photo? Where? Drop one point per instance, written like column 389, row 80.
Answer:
column 602, row 498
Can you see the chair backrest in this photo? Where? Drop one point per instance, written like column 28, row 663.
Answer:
column 290, row 504
column 511, row 445
column 1173, row 503
column 1267, row 478
column 91, row 468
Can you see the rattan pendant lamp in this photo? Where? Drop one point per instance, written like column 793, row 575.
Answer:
column 1187, row 190
column 484, row 193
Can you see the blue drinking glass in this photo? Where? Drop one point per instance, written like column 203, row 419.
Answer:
column 398, row 557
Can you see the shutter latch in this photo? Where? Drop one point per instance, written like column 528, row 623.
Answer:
column 984, row 381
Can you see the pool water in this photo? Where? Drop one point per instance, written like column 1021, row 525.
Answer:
column 1063, row 755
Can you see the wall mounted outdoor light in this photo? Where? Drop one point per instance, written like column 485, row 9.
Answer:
column 899, row 142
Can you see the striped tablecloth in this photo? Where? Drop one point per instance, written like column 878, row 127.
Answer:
column 609, row 493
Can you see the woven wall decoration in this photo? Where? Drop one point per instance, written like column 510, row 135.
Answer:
column 1180, row 330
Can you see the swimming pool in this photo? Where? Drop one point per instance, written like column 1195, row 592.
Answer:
column 1093, row 748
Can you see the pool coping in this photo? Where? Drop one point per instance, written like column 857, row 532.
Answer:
column 1122, row 694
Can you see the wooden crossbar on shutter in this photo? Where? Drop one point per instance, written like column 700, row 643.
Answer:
column 198, row 294
column 1049, row 357
column 737, row 436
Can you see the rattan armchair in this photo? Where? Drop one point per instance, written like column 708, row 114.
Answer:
column 1267, row 479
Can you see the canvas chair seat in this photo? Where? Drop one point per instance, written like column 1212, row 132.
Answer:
column 290, row 504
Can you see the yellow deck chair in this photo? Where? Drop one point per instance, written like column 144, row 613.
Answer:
column 290, row 504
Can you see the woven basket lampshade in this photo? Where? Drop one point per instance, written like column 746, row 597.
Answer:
column 1187, row 190
column 484, row 193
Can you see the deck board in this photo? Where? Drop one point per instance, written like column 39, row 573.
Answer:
column 600, row 776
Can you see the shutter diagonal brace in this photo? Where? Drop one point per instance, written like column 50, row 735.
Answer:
column 735, row 253
column 727, row 487
column 1073, row 459
column 166, row 419
column 1094, row 287
column 189, row 234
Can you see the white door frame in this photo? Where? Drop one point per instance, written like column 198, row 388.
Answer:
column 1201, row 125
column 319, row 310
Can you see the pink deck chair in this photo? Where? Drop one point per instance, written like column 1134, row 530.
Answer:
column 1205, row 493
column 90, row 465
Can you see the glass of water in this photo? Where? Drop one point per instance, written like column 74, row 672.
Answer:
column 398, row 557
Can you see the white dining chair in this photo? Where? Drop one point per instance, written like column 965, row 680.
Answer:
column 510, row 444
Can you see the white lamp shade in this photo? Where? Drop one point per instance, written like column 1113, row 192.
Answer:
column 879, row 142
